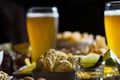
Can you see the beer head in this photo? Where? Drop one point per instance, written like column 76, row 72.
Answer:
column 41, row 15
column 112, row 13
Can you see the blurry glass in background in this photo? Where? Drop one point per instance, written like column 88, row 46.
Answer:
column 42, row 27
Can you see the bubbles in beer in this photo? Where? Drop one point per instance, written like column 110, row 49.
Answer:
column 112, row 12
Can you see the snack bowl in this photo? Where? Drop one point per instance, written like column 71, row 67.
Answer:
column 54, row 75
column 21, row 75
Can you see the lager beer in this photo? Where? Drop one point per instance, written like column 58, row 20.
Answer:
column 42, row 31
column 112, row 29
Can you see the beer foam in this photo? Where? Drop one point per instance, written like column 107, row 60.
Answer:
column 42, row 15
column 112, row 13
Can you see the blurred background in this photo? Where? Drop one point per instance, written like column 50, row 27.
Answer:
column 75, row 15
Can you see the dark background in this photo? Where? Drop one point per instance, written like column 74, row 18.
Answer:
column 75, row 15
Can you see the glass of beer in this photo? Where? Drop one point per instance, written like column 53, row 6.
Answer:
column 112, row 26
column 42, row 28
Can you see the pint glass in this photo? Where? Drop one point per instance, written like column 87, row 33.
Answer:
column 42, row 27
column 112, row 26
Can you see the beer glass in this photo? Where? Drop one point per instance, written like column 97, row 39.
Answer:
column 112, row 26
column 42, row 28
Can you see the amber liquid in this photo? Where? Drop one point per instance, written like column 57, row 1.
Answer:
column 42, row 34
column 112, row 29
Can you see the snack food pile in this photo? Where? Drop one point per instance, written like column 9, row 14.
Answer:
column 76, row 39
column 56, row 61
column 3, row 75
column 76, row 42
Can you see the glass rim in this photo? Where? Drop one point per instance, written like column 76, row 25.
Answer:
column 112, row 5
column 43, row 7
column 112, row 2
